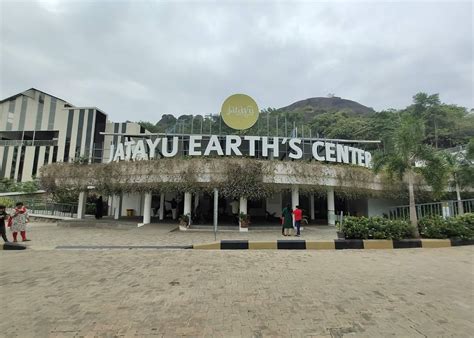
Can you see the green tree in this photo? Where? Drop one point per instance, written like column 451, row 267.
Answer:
column 338, row 125
column 405, row 153
column 446, row 125
column 152, row 128
column 462, row 173
column 470, row 150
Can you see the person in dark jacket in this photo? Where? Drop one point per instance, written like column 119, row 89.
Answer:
column 287, row 218
column 174, row 208
column 3, row 216
column 99, row 208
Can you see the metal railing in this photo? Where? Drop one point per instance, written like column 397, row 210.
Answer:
column 443, row 209
column 49, row 208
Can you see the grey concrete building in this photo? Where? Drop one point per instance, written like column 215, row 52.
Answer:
column 37, row 128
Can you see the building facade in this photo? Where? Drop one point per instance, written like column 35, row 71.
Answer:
column 37, row 129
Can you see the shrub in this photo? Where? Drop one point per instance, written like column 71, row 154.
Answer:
column 456, row 227
column 7, row 202
column 467, row 220
column 432, row 227
column 376, row 228
column 184, row 219
column 8, row 185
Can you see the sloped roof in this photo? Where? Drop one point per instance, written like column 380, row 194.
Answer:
column 25, row 93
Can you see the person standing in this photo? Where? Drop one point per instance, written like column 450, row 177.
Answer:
column 3, row 217
column 235, row 210
column 298, row 217
column 17, row 222
column 99, row 208
column 287, row 224
column 174, row 208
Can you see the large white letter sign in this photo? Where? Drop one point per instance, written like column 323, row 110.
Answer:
column 111, row 154
column 321, row 150
column 213, row 145
column 316, row 145
column 128, row 149
column 164, row 147
column 330, row 152
column 139, row 152
column 152, row 146
column 252, row 140
column 353, row 152
column 368, row 159
column 232, row 144
column 294, row 145
column 119, row 154
column 273, row 146
column 360, row 160
column 195, row 142
column 342, row 153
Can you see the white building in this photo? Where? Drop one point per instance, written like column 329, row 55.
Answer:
column 37, row 128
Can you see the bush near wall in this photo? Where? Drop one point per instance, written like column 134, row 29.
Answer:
column 7, row 202
column 455, row 227
column 376, row 228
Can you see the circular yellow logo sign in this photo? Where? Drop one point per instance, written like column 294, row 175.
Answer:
column 239, row 111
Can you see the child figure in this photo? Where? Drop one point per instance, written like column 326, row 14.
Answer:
column 3, row 217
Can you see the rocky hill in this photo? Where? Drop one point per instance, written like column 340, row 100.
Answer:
column 303, row 111
column 318, row 105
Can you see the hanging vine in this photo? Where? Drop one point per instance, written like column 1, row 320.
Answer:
column 245, row 179
column 234, row 177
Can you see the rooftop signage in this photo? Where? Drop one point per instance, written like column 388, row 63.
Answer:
column 239, row 111
column 236, row 145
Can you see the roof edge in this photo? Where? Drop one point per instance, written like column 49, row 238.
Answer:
column 32, row 88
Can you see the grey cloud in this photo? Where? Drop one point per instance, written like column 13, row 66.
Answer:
column 138, row 60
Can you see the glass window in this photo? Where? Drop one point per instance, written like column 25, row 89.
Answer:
column 46, row 135
column 11, row 135
column 28, row 135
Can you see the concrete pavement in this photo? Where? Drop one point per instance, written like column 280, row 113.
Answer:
column 189, row 293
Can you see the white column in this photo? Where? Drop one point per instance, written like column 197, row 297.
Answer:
column 110, row 205
column 81, row 205
column 243, row 205
column 116, row 203
column 187, row 203
column 295, row 196
column 331, row 208
column 216, row 210
column 147, row 208
column 311, row 206
column 162, row 206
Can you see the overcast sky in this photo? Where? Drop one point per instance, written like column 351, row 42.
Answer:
column 138, row 60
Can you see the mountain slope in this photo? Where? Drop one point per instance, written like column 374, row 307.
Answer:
column 328, row 104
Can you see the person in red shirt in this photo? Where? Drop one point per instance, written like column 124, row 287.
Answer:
column 298, row 213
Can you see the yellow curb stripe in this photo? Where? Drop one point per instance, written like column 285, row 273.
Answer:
column 208, row 246
column 435, row 243
column 263, row 245
column 320, row 245
column 378, row 244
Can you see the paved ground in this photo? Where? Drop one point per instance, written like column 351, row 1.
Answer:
column 48, row 235
column 169, row 293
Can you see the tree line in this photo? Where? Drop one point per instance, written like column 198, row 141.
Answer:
column 445, row 125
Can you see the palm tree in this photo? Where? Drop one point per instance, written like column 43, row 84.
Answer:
column 461, row 169
column 405, row 154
